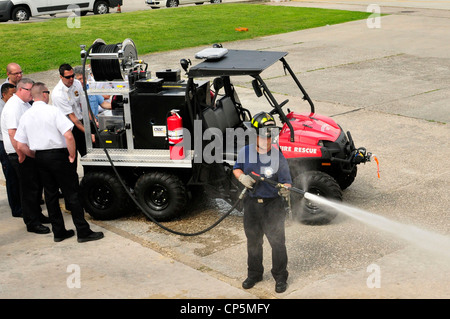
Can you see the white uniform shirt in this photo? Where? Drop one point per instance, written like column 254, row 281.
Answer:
column 2, row 104
column 69, row 99
column 12, row 112
column 42, row 127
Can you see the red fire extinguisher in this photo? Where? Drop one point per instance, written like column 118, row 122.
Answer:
column 175, row 134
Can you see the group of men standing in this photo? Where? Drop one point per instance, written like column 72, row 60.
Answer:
column 40, row 144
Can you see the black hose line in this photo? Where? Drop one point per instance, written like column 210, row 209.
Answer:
column 92, row 117
column 105, row 69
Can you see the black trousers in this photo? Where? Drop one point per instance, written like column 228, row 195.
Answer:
column 30, row 189
column 80, row 140
column 57, row 173
column 12, row 183
column 267, row 218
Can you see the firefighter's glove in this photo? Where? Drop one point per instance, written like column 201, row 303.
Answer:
column 246, row 180
column 284, row 192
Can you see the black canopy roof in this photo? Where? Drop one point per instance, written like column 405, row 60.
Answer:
column 237, row 62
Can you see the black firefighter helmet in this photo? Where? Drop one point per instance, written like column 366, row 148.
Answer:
column 264, row 124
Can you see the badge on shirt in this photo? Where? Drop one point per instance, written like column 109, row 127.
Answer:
column 76, row 93
column 267, row 171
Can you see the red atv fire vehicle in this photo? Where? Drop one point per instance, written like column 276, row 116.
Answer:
column 153, row 114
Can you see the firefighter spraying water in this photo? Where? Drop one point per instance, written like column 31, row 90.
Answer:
column 263, row 205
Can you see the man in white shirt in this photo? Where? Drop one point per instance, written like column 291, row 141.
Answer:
column 29, row 183
column 69, row 97
column 14, row 72
column 46, row 134
column 12, row 181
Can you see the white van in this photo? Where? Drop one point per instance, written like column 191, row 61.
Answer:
column 21, row 10
column 155, row 4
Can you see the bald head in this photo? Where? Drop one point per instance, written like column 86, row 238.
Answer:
column 14, row 72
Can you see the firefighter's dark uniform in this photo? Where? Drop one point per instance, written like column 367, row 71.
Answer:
column 264, row 213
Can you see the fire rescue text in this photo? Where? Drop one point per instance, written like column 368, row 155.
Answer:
column 229, row 308
column 299, row 149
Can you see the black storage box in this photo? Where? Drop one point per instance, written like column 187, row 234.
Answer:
column 149, row 85
column 169, row 75
column 113, row 139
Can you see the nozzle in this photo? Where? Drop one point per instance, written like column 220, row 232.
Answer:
column 277, row 185
column 241, row 196
column 378, row 164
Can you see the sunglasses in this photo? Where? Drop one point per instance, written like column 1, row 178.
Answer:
column 69, row 76
column 48, row 92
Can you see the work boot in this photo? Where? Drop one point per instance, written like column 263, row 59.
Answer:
column 280, row 286
column 67, row 234
column 39, row 229
column 92, row 236
column 250, row 282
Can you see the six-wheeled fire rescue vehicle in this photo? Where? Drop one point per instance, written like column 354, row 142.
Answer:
column 143, row 149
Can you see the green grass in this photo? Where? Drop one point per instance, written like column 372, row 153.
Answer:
column 42, row 46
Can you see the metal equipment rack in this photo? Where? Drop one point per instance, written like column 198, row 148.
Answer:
column 126, row 57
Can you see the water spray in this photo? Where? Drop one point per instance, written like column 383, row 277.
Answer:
column 424, row 239
column 433, row 242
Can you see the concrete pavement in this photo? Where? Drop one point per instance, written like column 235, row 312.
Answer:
column 389, row 86
column 33, row 266
column 348, row 4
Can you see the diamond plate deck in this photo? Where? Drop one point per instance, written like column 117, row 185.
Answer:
column 135, row 158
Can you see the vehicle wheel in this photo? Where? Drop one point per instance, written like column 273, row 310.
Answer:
column 101, row 7
column 317, row 183
column 103, row 195
column 20, row 14
column 216, row 1
column 161, row 195
column 172, row 3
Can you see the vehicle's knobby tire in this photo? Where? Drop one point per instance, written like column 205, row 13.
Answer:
column 103, row 196
column 162, row 196
column 317, row 183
